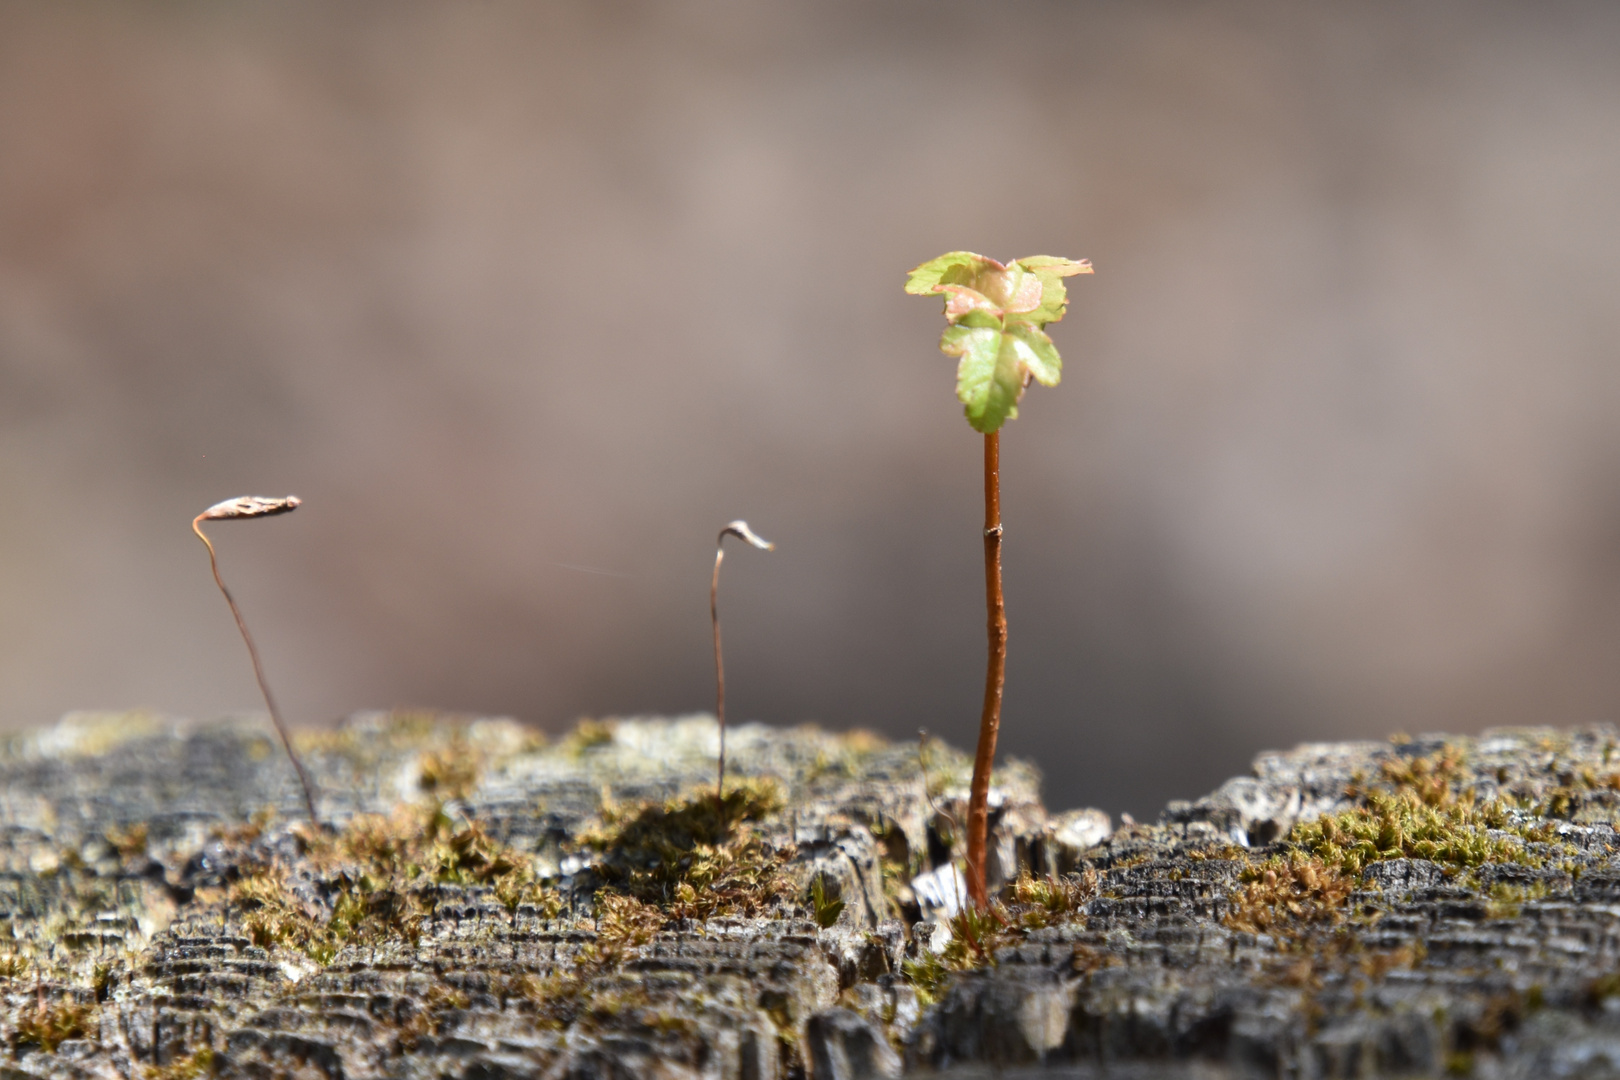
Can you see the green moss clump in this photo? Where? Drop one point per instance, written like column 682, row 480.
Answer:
column 1421, row 810
column 1433, row 779
column 586, row 736
column 975, row 937
column 383, row 870
column 1033, row 903
column 451, row 772
column 696, row 855
column 1505, row 901
column 1461, row 833
column 190, row 1067
column 51, row 1024
column 1289, row 897
column 1402, row 825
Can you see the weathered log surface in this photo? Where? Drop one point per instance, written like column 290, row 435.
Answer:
column 482, row 904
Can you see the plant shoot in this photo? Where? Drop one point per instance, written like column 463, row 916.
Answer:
column 741, row 531
column 255, row 506
column 996, row 314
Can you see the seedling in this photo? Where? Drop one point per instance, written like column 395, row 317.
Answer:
column 255, row 506
column 741, row 531
column 996, row 314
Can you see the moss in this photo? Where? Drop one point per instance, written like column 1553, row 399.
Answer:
column 51, row 1024
column 1459, row 832
column 129, row 842
column 824, row 907
column 380, row 872
column 1434, row 779
column 450, row 773
column 1604, row 987
column 1375, row 964
column 13, row 966
column 942, row 767
column 1289, row 897
column 586, row 736
column 975, row 937
column 697, row 855
column 519, row 889
column 1223, row 852
column 274, row 916
column 1028, row 903
column 1505, row 901
column 198, row 1063
column 1034, row 903
column 623, row 922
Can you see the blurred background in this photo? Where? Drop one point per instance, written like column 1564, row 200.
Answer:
column 526, row 300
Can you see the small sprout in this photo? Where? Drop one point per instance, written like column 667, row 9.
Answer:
column 826, row 900
column 741, row 531
column 996, row 314
column 255, row 506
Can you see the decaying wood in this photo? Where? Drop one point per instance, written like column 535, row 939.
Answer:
column 137, row 936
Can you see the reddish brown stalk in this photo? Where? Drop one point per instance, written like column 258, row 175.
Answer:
column 253, row 506
column 741, row 531
column 990, row 719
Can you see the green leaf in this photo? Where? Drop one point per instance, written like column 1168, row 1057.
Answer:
column 989, row 381
column 996, row 314
column 954, row 267
column 1050, row 271
column 961, row 301
column 1036, row 354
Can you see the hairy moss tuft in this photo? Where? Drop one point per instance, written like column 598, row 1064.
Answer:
column 1287, row 897
column 51, row 1024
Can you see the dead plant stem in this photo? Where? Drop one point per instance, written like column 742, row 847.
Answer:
column 741, row 531
column 258, row 674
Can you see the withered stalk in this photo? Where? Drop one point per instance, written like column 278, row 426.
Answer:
column 256, row 506
column 741, row 531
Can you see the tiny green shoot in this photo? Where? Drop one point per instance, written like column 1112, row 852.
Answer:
column 255, row 506
column 741, row 531
column 996, row 314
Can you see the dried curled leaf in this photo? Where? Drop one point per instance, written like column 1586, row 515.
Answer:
column 741, row 531
column 996, row 312
column 250, row 506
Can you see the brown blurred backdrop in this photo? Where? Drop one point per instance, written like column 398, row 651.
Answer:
column 526, row 300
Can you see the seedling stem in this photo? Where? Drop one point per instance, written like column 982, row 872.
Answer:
column 995, row 676
column 741, row 531
column 254, row 506
column 997, row 314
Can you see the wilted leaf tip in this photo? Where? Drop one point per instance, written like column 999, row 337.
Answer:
column 741, row 531
column 250, row 506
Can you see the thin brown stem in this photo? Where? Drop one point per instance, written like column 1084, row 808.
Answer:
column 995, row 676
column 741, row 531
column 719, row 677
column 258, row 672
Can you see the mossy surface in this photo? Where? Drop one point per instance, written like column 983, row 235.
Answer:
column 486, row 901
